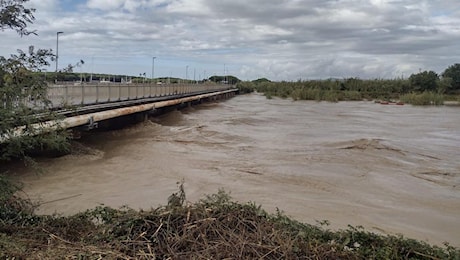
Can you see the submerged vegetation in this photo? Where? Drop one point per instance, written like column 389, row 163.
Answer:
column 213, row 228
column 423, row 99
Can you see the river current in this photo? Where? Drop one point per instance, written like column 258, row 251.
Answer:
column 392, row 169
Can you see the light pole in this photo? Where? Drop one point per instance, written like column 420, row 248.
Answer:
column 225, row 77
column 57, row 50
column 186, row 73
column 153, row 68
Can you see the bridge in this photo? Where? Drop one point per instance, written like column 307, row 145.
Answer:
column 82, row 94
column 85, row 106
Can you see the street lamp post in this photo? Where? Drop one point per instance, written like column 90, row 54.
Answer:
column 225, row 76
column 153, row 68
column 186, row 73
column 57, row 49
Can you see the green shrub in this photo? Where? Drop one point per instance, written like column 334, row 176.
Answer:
column 245, row 87
column 13, row 209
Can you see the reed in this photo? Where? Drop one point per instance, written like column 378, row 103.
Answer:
column 423, row 99
column 351, row 90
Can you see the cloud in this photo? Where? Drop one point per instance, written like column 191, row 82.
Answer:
column 105, row 4
column 281, row 40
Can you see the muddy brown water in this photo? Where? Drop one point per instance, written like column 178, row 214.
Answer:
column 392, row 169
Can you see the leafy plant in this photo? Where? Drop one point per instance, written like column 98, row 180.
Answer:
column 24, row 95
column 14, row 15
column 23, row 92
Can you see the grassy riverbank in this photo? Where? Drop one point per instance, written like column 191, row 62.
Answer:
column 214, row 228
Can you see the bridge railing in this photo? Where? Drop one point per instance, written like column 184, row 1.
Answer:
column 89, row 94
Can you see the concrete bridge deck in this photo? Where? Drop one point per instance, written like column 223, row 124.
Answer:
column 85, row 98
column 85, row 105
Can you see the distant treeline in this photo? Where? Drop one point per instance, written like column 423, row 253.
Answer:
column 427, row 86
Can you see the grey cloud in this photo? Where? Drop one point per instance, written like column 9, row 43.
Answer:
column 277, row 39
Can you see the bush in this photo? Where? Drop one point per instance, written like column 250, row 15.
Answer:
column 245, row 87
column 13, row 209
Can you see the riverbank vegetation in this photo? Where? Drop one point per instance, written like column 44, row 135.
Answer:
column 213, row 228
column 23, row 93
column 424, row 88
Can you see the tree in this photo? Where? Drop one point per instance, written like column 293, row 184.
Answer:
column 424, row 81
column 13, row 15
column 23, row 95
column 453, row 72
column 70, row 67
column 225, row 79
column 23, row 92
column 261, row 80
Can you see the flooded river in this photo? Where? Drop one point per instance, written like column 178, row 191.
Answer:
column 392, row 169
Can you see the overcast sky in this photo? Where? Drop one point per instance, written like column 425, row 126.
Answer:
column 250, row 39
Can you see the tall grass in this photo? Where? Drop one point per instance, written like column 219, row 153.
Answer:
column 334, row 90
column 351, row 89
column 423, row 99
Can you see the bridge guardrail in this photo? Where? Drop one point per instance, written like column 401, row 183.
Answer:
column 90, row 94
